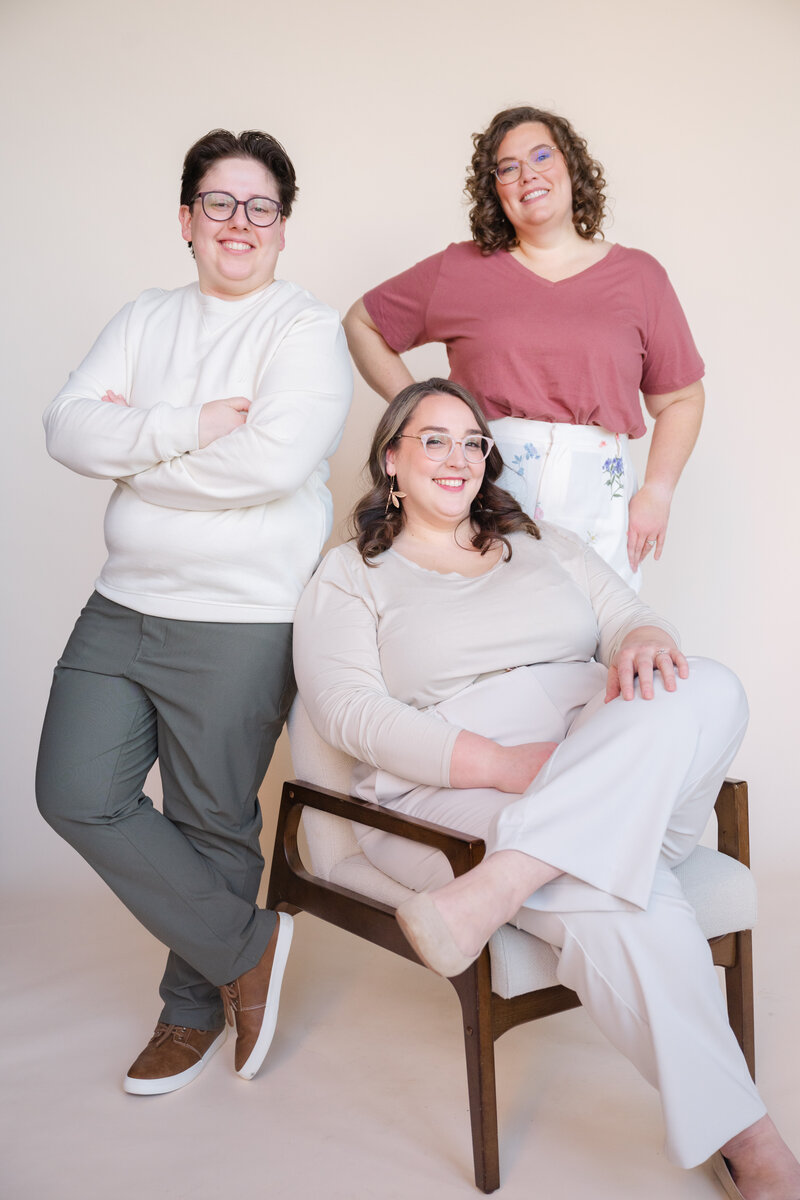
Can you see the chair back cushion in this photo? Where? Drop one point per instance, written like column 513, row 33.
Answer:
column 330, row 839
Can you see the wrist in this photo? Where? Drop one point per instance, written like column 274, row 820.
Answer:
column 663, row 489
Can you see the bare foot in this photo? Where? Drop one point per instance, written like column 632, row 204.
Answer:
column 474, row 905
column 762, row 1165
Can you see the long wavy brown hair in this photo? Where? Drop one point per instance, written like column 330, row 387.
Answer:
column 491, row 228
column 494, row 513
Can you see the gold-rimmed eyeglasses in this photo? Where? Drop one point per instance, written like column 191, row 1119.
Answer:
column 541, row 158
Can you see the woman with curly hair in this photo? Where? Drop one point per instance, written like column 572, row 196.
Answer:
column 499, row 678
column 555, row 331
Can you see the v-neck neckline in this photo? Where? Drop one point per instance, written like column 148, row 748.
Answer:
column 553, row 283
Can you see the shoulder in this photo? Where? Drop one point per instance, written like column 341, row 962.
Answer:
column 135, row 315
column 341, row 581
column 638, row 263
column 154, row 298
column 344, row 567
column 298, row 299
column 563, row 542
column 290, row 315
column 468, row 257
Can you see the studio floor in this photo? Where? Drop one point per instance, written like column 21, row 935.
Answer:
column 363, row 1094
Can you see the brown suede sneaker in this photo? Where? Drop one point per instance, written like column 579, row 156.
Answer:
column 251, row 1001
column 174, row 1056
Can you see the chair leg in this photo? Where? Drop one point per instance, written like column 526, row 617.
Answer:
column 739, row 992
column 475, row 993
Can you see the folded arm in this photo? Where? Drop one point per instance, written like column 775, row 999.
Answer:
column 293, row 424
column 107, row 440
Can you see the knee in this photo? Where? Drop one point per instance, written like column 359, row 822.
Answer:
column 54, row 797
column 69, row 795
column 717, row 692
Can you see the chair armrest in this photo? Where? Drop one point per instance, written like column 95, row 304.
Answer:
column 733, row 825
column 462, row 851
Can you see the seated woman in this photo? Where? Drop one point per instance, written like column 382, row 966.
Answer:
column 484, row 673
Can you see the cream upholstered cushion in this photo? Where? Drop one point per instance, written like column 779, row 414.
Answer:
column 720, row 889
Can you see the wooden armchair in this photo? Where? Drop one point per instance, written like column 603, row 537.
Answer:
column 514, row 979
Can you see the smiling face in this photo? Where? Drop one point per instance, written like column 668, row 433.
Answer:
column 234, row 257
column 536, row 199
column 438, row 495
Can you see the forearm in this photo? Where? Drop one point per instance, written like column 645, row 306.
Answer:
column 677, row 425
column 267, row 459
column 380, row 366
column 110, row 441
column 617, row 609
column 476, row 761
column 479, row 762
column 292, row 426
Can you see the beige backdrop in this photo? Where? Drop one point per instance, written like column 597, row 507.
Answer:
column 691, row 106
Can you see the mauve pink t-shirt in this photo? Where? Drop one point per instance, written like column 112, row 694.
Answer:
column 578, row 351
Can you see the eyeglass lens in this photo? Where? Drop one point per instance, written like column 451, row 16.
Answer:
column 509, row 169
column 439, row 446
column 259, row 210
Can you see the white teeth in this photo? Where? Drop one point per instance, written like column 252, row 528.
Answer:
column 533, row 195
column 237, row 245
column 450, row 483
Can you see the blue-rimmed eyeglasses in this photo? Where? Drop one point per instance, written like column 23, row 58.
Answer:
column 220, row 206
column 439, row 446
column 541, row 158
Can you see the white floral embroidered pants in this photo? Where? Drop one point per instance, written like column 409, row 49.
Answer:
column 578, row 476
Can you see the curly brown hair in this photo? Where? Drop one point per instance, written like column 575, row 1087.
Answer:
column 491, row 228
column 374, row 524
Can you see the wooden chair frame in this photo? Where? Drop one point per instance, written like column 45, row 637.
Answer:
column 485, row 1015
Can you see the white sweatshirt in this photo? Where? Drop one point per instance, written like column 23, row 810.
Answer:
column 233, row 531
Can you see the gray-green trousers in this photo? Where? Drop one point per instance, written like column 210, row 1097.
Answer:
column 208, row 700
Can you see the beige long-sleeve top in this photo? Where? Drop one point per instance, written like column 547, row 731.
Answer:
column 377, row 647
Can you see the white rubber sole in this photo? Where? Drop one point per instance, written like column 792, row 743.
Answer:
column 267, row 1031
column 171, row 1083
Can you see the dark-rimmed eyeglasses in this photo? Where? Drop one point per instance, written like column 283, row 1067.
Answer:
column 220, row 206
column 541, row 158
column 439, row 446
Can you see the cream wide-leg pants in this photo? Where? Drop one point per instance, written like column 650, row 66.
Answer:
column 624, row 798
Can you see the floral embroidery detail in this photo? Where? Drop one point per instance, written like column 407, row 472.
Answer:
column 616, row 473
column 518, row 461
column 538, row 513
column 590, row 536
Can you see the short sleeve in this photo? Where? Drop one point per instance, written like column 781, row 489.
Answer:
column 671, row 360
column 399, row 307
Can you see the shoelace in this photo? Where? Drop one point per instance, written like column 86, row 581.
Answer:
column 164, row 1032
column 231, row 1000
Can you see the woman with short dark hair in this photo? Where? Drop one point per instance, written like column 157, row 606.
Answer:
column 213, row 409
column 555, row 331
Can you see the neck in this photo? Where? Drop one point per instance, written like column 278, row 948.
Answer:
column 218, row 294
column 426, row 533
column 545, row 242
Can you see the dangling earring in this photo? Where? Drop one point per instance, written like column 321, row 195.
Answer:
column 394, row 497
